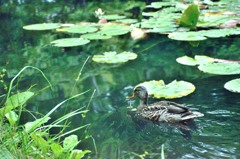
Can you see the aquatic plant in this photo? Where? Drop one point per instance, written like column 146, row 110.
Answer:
column 33, row 139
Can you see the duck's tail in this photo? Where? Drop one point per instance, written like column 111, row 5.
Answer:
column 192, row 116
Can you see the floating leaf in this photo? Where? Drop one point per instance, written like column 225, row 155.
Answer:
column 113, row 57
column 43, row 26
column 70, row 42
column 158, row 5
column 15, row 101
column 185, row 60
column 199, row 59
column 175, row 89
column 127, row 21
column 115, row 29
column 95, row 36
column 81, row 29
column 186, row 36
column 233, row 85
column 221, row 68
column 114, row 17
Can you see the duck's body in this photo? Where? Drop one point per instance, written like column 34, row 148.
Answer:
column 164, row 110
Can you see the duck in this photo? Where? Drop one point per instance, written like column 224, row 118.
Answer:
column 162, row 111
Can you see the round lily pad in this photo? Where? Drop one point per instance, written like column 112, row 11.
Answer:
column 186, row 36
column 233, row 85
column 70, row 42
column 127, row 21
column 114, row 17
column 95, row 36
column 115, row 29
column 199, row 59
column 81, row 29
column 185, row 60
column 221, row 68
column 113, row 57
column 158, row 5
column 175, row 89
column 43, row 26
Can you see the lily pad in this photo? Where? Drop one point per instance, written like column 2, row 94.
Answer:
column 198, row 59
column 233, row 85
column 127, row 21
column 158, row 5
column 95, row 36
column 190, row 16
column 186, row 36
column 114, row 17
column 175, row 89
column 70, row 42
column 113, row 57
column 185, row 60
column 43, row 26
column 221, row 68
column 81, row 29
column 115, row 29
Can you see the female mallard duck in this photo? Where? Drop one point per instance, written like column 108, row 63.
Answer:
column 164, row 110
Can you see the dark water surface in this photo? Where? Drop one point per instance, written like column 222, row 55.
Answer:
column 117, row 132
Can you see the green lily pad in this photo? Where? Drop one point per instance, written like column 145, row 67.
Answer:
column 221, row 68
column 43, row 26
column 198, row 59
column 70, row 42
column 175, row 89
column 114, row 17
column 190, row 16
column 127, row 21
column 185, row 60
column 95, row 36
column 113, row 57
column 233, row 85
column 81, row 29
column 186, row 36
column 158, row 5
column 115, row 29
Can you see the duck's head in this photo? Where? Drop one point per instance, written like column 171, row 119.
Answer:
column 142, row 94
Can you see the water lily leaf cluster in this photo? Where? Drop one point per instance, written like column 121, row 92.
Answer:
column 89, row 31
column 175, row 89
column 114, row 57
column 215, row 66
column 218, row 19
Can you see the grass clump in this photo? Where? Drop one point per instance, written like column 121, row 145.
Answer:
column 32, row 139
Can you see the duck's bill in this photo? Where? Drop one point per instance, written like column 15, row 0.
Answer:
column 132, row 96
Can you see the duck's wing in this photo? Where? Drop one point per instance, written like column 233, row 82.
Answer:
column 172, row 107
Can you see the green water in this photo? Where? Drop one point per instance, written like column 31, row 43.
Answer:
column 115, row 129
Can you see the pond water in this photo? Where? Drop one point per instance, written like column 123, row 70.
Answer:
column 116, row 132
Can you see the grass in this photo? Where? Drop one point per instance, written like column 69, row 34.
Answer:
column 32, row 139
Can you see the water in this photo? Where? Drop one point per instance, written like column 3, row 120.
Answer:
column 114, row 128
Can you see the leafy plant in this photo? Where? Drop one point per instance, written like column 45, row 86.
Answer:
column 32, row 139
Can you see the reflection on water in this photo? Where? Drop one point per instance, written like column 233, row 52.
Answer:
column 118, row 132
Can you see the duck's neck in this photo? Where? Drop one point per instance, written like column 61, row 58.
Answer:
column 144, row 102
